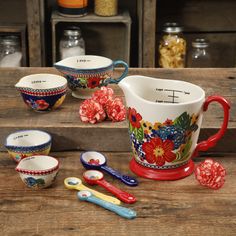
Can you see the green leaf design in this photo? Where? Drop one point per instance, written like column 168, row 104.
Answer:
column 40, row 182
column 83, row 81
column 131, row 128
column 183, row 121
column 139, row 134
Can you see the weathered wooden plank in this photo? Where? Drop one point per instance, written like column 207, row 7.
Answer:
column 149, row 33
column 180, row 207
column 70, row 133
column 35, row 38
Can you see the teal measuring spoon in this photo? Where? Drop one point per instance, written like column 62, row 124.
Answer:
column 127, row 213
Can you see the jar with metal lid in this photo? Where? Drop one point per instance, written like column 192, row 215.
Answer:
column 106, row 7
column 72, row 43
column 10, row 51
column 172, row 47
column 200, row 55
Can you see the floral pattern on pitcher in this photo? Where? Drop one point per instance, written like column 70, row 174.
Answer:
column 89, row 81
column 161, row 143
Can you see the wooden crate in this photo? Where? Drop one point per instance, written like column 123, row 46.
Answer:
column 105, row 36
column 20, row 31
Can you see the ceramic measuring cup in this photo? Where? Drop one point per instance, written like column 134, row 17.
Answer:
column 121, row 211
column 85, row 73
column 165, row 118
column 76, row 183
column 95, row 160
column 96, row 177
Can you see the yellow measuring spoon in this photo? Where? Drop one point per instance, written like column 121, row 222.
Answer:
column 76, row 183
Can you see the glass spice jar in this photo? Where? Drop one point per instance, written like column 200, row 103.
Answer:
column 106, row 7
column 10, row 51
column 200, row 55
column 72, row 43
column 172, row 47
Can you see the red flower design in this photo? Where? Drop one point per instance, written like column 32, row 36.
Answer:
column 115, row 110
column 91, row 111
column 158, row 151
column 211, row 174
column 168, row 122
column 41, row 104
column 103, row 95
column 94, row 82
column 94, row 162
column 134, row 118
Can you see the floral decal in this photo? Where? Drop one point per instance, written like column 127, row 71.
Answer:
column 94, row 82
column 38, row 105
column 134, row 118
column 158, row 151
column 34, row 183
column 59, row 101
column 95, row 162
column 162, row 143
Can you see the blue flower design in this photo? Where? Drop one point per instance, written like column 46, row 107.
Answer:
column 30, row 181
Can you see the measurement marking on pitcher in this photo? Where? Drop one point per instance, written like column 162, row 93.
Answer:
column 173, row 96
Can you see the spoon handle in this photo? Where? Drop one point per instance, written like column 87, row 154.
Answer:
column 121, row 211
column 100, row 195
column 122, row 195
column 124, row 178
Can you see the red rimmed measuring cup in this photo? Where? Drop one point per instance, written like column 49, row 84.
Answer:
column 95, row 160
column 96, row 177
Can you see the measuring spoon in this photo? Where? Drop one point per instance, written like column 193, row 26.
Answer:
column 95, row 160
column 76, row 183
column 96, row 177
column 121, row 211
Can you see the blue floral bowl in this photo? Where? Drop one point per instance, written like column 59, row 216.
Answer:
column 24, row 143
column 43, row 92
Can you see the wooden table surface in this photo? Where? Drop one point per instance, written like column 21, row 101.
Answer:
column 180, row 207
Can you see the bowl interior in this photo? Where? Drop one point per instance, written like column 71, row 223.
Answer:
column 37, row 163
column 93, row 175
column 28, row 138
column 42, row 81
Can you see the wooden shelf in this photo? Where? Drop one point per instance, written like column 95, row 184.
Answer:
column 105, row 36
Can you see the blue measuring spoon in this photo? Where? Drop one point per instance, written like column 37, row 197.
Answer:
column 95, row 160
column 85, row 195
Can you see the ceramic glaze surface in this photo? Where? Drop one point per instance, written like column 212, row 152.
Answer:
column 38, row 171
column 87, row 72
column 43, row 92
column 164, row 118
column 26, row 143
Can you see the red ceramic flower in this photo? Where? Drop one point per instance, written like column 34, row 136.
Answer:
column 134, row 118
column 103, row 95
column 91, row 111
column 158, row 151
column 93, row 82
column 41, row 104
column 115, row 110
column 211, row 174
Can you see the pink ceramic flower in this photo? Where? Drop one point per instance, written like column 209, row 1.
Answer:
column 211, row 174
column 103, row 95
column 91, row 111
column 115, row 110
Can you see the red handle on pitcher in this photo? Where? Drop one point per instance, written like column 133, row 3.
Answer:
column 211, row 141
